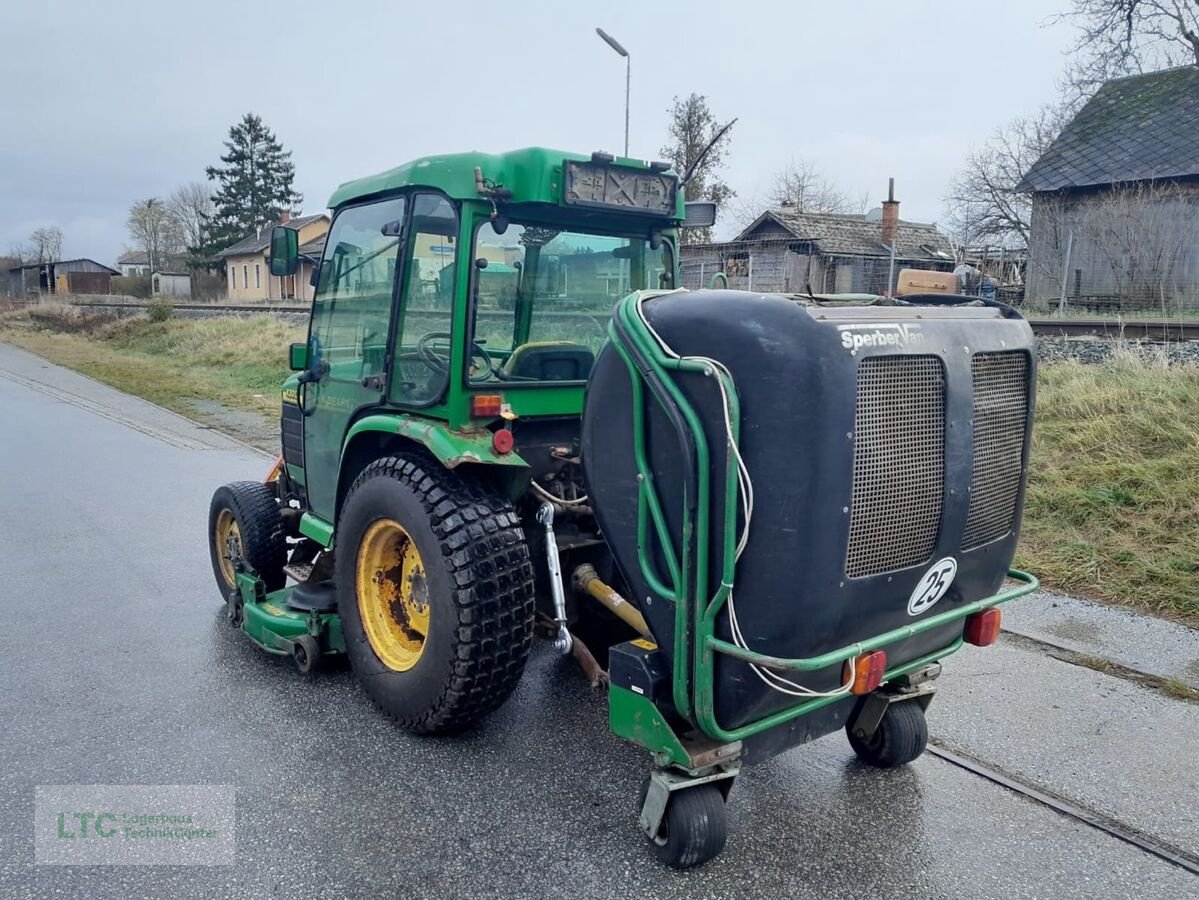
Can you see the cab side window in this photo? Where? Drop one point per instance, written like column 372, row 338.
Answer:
column 352, row 310
column 427, row 302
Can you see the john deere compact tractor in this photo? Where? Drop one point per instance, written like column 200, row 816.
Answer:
column 758, row 518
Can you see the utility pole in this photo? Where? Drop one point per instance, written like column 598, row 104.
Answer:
column 628, row 75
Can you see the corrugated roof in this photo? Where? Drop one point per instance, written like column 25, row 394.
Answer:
column 1133, row 129
column 837, row 234
column 257, row 243
column 63, row 262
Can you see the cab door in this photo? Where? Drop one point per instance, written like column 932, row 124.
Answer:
column 350, row 336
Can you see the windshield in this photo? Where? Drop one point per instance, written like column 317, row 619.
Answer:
column 544, row 297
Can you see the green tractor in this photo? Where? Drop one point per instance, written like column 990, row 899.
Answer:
column 510, row 420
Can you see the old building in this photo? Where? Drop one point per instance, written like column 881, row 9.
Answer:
column 1115, row 200
column 177, row 285
column 65, row 276
column 796, row 252
column 137, row 262
column 247, row 266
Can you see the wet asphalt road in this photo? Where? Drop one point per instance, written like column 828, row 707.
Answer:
column 119, row 668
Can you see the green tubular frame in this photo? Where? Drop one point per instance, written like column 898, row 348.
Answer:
column 686, row 584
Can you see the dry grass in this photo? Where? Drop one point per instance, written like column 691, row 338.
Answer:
column 1113, row 498
column 238, row 362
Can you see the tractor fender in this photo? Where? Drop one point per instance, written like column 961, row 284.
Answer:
column 451, row 448
column 380, row 434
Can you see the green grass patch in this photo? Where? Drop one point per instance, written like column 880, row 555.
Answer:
column 237, row 362
column 1113, row 498
column 1113, row 495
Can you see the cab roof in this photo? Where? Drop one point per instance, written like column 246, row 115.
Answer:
column 533, row 174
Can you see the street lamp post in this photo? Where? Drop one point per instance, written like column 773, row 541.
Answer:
column 615, row 45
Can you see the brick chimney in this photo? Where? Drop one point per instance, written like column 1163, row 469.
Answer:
column 890, row 214
column 285, row 217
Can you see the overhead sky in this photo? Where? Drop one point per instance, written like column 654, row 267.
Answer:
column 107, row 103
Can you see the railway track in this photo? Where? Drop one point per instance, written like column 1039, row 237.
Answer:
column 1128, row 329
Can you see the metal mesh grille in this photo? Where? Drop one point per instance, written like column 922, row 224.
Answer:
column 898, row 464
column 1000, row 418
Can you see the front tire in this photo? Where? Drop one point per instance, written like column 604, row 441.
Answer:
column 244, row 517
column 435, row 594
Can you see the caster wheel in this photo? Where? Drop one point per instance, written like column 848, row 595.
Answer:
column 235, row 611
column 901, row 736
column 694, row 828
column 306, row 654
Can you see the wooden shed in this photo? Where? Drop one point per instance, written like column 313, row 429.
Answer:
column 65, row 276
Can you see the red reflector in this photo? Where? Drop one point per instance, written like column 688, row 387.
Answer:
column 982, row 628
column 486, row 405
column 868, row 671
column 501, row 441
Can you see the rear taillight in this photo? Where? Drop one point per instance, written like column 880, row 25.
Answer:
column 486, row 406
column 982, row 628
column 868, row 671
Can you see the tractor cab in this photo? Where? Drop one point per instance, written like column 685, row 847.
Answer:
column 472, row 291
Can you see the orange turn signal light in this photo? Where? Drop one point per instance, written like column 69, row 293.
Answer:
column 982, row 628
column 486, row 406
column 273, row 474
column 868, row 671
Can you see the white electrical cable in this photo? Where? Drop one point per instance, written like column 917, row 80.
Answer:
column 714, row 369
column 554, row 499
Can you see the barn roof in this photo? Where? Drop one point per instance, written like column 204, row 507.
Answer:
column 64, row 262
column 260, row 241
column 1133, row 129
column 844, row 234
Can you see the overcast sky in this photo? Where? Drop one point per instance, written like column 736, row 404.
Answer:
column 110, row 102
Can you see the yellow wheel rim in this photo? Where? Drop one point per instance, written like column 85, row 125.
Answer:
column 393, row 595
column 227, row 534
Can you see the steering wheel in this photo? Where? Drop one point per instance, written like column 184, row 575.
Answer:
column 439, row 362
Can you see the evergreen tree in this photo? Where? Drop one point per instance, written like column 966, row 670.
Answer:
column 254, row 185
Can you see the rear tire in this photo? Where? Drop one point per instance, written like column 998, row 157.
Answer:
column 457, row 585
column 249, row 512
column 901, row 736
column 694, row 829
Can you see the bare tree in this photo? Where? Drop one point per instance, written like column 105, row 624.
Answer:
column 154, row 230
column 1124, row 37
column 982, row 204
column 1142, row 232
column 191, row 207
column 692, row 128
column 802, row 187
column 45, row 244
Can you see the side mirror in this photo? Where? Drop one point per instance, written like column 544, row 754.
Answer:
column 699, row 214
column 315, row 278
column 297, row 357
column 285, row 250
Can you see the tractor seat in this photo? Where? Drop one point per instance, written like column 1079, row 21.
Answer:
column 550, row 361
column 320, row 596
